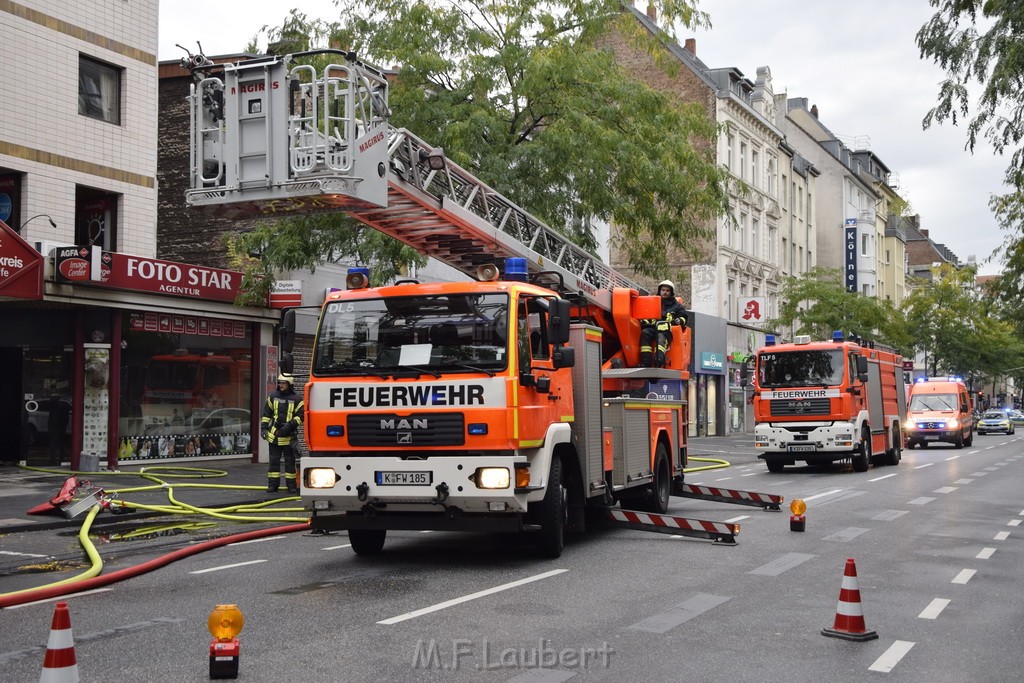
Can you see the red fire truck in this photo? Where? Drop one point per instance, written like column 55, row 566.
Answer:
column 511, row 401
column 820, row 402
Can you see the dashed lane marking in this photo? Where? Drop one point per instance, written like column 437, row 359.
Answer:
column 258, row 540
column 337, row 547
column 985, row 554
column 784, row 563
column 934, row 609
column 847, row 534
column 9, row 552
column 888, row 515
column 680, row 614
column 979, row 474
column 927, row 464
column 733, row 520
column 963, row 481
column 923, row 500
column 964, row 576
column 953, row 457
column 226, row 566
column 946, row 489
column 472, row 596
column 1013, row 522
column 1002, row 536
column 891, row 657
column 884, row 476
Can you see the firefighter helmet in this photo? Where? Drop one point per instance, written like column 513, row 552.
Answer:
column 669, row 284
column 285, row 377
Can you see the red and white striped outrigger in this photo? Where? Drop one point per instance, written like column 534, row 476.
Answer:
column 768, row 501
column 722, row 532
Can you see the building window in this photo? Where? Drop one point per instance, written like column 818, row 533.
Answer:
column 96, row 218
column 99, row 90
column 865, row 245
column 743, row 161
column 785, row 193
column 755, row 178
column 743, row 232
column 785, row 254
column 755, row 234
column 730, row 140
column 888, row 257
column 10, row 200
column 771, row 176
column 773, row 235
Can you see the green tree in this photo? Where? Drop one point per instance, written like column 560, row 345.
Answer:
column 522, row 94
column 952, row 327
column 817, row 304
column 979, row 44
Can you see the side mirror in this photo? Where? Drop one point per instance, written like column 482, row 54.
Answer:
column 558, row 321
column 862, row 368
column 286, row 332
column 286, row 363
column 563, row 357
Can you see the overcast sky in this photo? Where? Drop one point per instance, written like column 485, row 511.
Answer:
column 856, row 61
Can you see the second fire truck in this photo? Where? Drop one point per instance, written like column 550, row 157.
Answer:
column 826, row 401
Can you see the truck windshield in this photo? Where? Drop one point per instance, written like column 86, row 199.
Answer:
column 800, row 368
column 429, row 334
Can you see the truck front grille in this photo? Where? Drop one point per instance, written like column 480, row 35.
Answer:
column 810, row 407
column 389, row 429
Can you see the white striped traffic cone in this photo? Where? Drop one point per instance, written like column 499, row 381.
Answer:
column 849, row 623
column 60, row 664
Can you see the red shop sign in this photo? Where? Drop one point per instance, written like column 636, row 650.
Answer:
column 21, row 266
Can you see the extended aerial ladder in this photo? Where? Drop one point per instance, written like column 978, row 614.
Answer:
column 336, row 136
column 306, row 141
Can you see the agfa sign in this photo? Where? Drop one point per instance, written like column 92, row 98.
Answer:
column 21, row 266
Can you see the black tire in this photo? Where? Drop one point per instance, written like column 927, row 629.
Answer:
column 860, row 459
column 894, row 454
column 554, row 512
column 367, row 541
column 970, row 439
column 656, row 496
column 959, row 441
column 774, row 464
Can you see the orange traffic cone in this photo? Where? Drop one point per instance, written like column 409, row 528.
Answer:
column 60, row 664
column 849, row 615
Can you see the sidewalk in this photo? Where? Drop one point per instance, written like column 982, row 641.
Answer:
column 23, row 489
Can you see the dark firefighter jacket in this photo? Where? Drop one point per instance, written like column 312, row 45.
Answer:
column 671, row 312
column 282, row 416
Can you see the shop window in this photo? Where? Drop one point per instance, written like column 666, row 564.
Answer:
column 99, row 90
column 96, row 218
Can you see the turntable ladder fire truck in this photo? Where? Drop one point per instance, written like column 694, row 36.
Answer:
column 509, row 402
column 826, row 401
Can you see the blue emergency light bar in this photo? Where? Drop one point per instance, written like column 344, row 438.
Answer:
column 769, row 340
column 515, row 269
column 837, row 336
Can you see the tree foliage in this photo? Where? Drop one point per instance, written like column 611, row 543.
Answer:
column 980, row 45
column 952, row 326
column 817, row 304
column 522, row 94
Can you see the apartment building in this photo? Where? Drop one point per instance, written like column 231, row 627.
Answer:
column 140, row 350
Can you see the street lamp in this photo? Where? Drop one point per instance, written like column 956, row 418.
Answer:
column 53, row 224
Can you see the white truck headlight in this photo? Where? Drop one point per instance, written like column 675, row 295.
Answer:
column 321, row 478
column 492, row 478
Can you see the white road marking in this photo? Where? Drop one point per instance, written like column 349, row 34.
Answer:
column 736, row 519
column 472, row 596
column 927, row 464
column 972, row 452
column 258, row 540
column 749, row 475
column 946, row 489
column 63, row 597
column 891, row 657
column 964, row 576
column 337, row 547
column 884, row 476
column 934, row 608
column 1002, row 536
column 954, row 457
column 1013, row 522
column 988, row 448
column 9, row 552
column 963, row 481
column 724, row 479
column 985, row 554
column 226, row 566
column 821, row 495
column 923, row 500
column 979, row 474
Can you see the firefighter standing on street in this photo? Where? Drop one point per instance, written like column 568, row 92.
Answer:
column 279, row 426
column 656, row 334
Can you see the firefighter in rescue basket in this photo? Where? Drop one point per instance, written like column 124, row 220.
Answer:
column 656, row 334
column 279, row 426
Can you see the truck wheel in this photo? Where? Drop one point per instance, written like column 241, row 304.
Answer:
column 895, row 454
column 774, row 464
column 970, row 439
column 959, row 441
column 367, row 541
column 554, row 513
column 656, row 496
column 860, row 458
